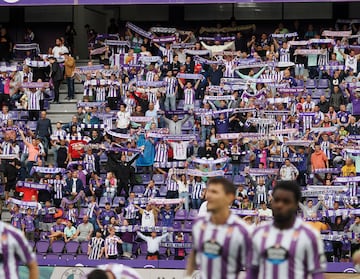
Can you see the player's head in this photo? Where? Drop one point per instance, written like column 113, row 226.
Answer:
column 286, row 197
column 220, row 193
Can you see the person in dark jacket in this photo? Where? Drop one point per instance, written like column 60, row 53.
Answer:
column 338, row 226
column 56, row 75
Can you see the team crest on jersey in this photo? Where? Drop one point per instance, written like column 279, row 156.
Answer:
column 276, row 254
column 212, row 249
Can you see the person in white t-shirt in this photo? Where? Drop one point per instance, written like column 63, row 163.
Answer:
column 147, row 215
column 59, row 49
column 264, row 213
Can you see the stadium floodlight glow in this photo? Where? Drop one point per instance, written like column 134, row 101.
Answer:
column 11, row 1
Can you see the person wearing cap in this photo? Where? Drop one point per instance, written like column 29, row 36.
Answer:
column 56, row 75
column 69, row 65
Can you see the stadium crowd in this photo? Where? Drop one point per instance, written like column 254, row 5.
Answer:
column 165, row 110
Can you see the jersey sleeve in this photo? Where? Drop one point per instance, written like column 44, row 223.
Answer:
column 23, row 250
column 315, row 256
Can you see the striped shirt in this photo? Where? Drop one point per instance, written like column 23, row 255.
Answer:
column 168, row 53
column 15, row 248
column 302, row 248
column 161, row 152
column 284, row 55
column 189, row 94
column 111, row 243
column 171, row 83
column 229, row 69
column 171, row 184
column 96, row 245
column 4, row 116
column 323, row 58
column 61, row 134
column 221, row 251
column 150, row 75
column 130, row 212
column 113, row 88
column 325, row 146
column 33, row 100
column 92, row 209
column 121, row 271
column 89, row 161
column 6, row 148
column 197, row 190
column 88, row 90
column 100, row 94
column 58, row 189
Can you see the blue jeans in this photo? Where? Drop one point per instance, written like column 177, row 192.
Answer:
column 205, row 132
column 170, row 102
column 127, row 247
column 185, row 195
column 71, row 87
column 196, row 203
column 235, row 171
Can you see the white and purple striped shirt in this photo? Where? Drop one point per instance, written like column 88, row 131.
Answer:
column 150, row 75
column 171, row 83
column 198, row 189
column 221, row 251
column 171, row 184
column 302, row 248
column 58, row 186
column 100, row 94
column 88, row 90
column 189, row 94
column 113, row 88
column 284, row 54
column 168, row 53
column 33, row 100
column 229, row 69
column 161, row 152
column 15, row 248
column 89, row 161
column 111, row 244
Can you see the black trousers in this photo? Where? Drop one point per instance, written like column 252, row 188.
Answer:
column 56, row 84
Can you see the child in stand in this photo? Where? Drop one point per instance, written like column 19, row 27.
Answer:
column 28, row 225
column 111, row 244
column 128, row 239
column 71, row 213
column 179, row 252
column 96, row 246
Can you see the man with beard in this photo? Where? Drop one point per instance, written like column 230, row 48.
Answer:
column 287, row 247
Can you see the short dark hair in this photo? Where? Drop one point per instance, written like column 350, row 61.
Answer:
column 289, row 185
column 97, row 274
column 228, row 186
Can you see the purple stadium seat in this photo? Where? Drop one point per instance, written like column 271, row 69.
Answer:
column 193, row 214
column 42, row 246
column 143, row 248
column 145, row 178
column 104, row 200
column 317, row 93
column 72, row 247
column 180, row 214
column 103, row 158
column 323, row 83
column 163, row 191
column 83, row 212
column 139, row 189
column 57, row 246
column 177, row 226
column 310, row 84
column 24, row 114
column 300, row 83
column 159, row 178
column 188, row 226
column 180, row 105
column 239, row 179
column 84, row 247
column 13, row 115
column 32, row 125
column 117, row 200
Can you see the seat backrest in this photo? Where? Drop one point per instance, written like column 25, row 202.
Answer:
column 57, row 246
column 42, row 246
column 72, row 247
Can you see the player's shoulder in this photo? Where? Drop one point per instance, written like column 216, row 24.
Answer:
column 261, row 228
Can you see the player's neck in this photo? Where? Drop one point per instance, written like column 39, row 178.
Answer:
column 284, row 225
column 220, row 217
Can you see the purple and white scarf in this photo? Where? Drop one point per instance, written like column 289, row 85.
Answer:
column 210, row 162
column 35, row 85
column 298, row 43
column 20, row 203
column 308, row 52
column 217, row 38
column 150, row 59
column 207, row 61
column 327, row 170
column 182, row 45
column 98, row 51
column 298, row 142
column 190, row 76
column 139, row 30
column 27, row 47
column 159, row 201
column 347, row 179
column 88, row 69
column 287, row 35
column 164, row 39
column 328, row 33
column 141, row 118
column 200, row 173
column 284, row 132
column 144, row 83
column 220, row 97
column 167, row 30
column 119, row 135
column 324, row 129
column 197, row 52
column 37, row 169
column 185, row 137
column 32, row 185
column 117, row 43
column 91, row 104
column 322, row 41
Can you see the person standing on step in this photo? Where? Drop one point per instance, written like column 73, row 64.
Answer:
column 70, row 65
column 56, row 75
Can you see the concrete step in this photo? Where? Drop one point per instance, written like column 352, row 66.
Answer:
column 63, row 118
column 63, row 108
